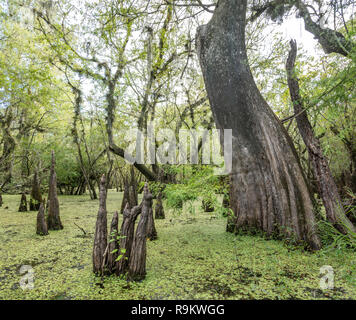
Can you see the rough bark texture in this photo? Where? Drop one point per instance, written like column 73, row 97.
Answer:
column 133, row 194
column 23, row 203
column 41, row 227
column 151, row 228
column 137, row 263
column 36, row 197
column 327, row 188
column 159, row 210
column 101, row 232
column 53, row 218
column 126, row 196
column 268, row 189
column 113, row 246
column 127, row 237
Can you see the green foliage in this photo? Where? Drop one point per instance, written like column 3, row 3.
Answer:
column 193, row 258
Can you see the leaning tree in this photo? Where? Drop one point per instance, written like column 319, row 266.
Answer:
column 268, row 190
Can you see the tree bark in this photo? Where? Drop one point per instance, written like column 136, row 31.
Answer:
column 327, row 188
column 41, row 227
column 159, row 210
column 127, row 237
column 137, row 263
column 23, row 203
column 113, row 246
column 126, row 196
column 36, row 197
column 101, row 232
column 53, row 218
column 133, row 194
column 268, row 189
column 151, row 228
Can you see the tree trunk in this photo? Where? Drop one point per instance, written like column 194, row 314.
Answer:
column 53, row 218
column 113, row 246
column 127, row 237
column 133, row 194
column 36, row 197
column 151, row 228
column 101, row 232
column 41, row 227
column 268, row 189
column 159, row 210
column 23, row 203
column 1, row 202
column 137, row 263
column 126, row 196
column 327, row 188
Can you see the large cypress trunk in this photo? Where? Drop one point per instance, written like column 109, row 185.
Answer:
column 268, row 189
column 101, row 232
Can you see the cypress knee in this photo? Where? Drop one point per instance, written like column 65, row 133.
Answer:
column 127, row 237
column 101, row 233
column 159, row 211
column 23, row 203
column 113, row 246
column 41, row 227
column 125, row 198
column 53, row 218
column 151, row 228
column 36, row 197
column 137, row 264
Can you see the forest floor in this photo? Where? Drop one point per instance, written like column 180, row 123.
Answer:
column 193, row 258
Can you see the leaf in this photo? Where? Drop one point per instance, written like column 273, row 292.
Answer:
column 119, row 257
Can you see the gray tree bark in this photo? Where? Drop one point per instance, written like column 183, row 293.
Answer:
column 101, row 232
column 41, row 226
column 53, row 218
column 268, row 189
